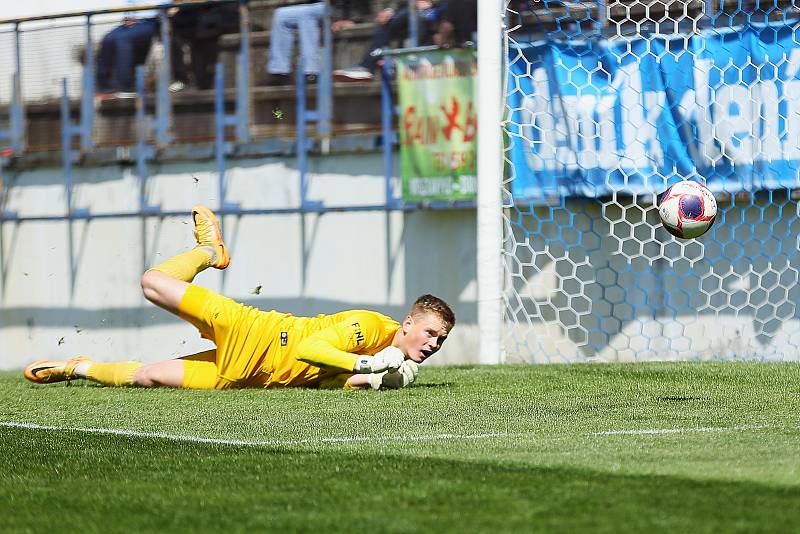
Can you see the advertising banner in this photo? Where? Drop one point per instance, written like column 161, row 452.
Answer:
column 438, row 123
column 592, row 118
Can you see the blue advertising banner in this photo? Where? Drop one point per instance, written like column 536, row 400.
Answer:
column 591, row 118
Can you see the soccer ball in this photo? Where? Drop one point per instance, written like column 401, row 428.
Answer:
column 687, row 209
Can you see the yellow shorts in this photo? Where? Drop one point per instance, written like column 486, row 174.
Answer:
column 200, row 370
column 242, row 334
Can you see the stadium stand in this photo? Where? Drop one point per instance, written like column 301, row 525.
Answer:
column 356, row 108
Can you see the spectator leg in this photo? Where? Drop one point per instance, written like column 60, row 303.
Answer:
column 204, row 57
column 281, row 42
column 179, row 40
column 132, row 47
column 464, row 17
column 309, row 36
column 105, row 60
column 395, row 28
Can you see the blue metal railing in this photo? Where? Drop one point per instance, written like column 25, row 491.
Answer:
column 88, row 86
column 68, row 154
column 387, row 132
column 15, row 133
column 144, row 151
column 154, row 133
column 242, row 76
column 159, row 126
column 163, row 100
column 413, row 24
column 321, row 115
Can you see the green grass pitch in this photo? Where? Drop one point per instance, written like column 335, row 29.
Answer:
column 665, row 447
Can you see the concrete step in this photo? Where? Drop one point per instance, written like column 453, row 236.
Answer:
column 356, row 107
column 349, row 47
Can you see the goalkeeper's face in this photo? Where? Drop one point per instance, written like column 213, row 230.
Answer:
column 423, row 335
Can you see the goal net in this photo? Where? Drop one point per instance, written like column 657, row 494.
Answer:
column 606, row 105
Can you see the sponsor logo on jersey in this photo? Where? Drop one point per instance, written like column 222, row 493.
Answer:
column 284, row 338
column 358, row 335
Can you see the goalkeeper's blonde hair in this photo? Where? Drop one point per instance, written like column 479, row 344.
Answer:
column 431, row 304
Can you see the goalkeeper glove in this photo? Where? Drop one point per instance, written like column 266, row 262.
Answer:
column 404, row 377
column 388, row 359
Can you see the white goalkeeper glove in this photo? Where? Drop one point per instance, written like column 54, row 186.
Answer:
column 388, row 359
column 404, row 377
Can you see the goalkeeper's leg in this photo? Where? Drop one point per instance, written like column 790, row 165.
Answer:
column 108, row 374
column 196, row 371
column 165, row 285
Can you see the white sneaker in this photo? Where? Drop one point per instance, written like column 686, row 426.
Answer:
column 353, row 74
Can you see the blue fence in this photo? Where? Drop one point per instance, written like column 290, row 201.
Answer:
column 154, row 116
column 605, row 108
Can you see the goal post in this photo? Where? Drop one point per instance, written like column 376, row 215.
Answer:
column 606, row 105
column 490, row 176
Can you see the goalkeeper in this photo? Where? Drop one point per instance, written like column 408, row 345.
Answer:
column 356, row 349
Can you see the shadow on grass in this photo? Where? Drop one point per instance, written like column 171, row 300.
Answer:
column 147, row 484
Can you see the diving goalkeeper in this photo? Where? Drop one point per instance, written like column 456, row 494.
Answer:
column 355, row 349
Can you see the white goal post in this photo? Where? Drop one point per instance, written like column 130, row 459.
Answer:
column 490, row 177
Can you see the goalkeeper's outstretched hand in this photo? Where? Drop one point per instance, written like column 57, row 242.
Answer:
column 388, row 359
column 403, row 377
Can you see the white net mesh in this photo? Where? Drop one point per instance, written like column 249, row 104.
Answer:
column 607, row 105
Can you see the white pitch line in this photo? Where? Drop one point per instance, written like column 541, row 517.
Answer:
column 362, row 439
column 689, row 430
column 257, row 443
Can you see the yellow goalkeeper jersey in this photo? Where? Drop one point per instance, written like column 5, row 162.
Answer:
column 310, row 349
column 274, row 349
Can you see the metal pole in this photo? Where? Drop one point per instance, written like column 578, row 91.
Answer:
column 219, row 129
column 17, row 109
column 243, row 76
column 17, row 53
column 600, row 20
column 302, row 156
column 87, row 98
column 413, row 24
column 325, row 83
column 141, row 136
column 17, row 118
column 710, row 11
column 163, row 101
column 66, row 150
column 387, row 113
column 490, row 175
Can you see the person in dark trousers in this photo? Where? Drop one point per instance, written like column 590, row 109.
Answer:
column 123, row 48
column 393, row 26
column 459, row 24
column 197, row 28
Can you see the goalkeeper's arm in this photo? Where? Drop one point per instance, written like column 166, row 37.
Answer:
column 403, row 377
column 347, row 346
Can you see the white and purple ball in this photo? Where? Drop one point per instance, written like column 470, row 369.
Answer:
column 687, row 209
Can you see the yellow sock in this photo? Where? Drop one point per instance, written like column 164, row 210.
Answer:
column 113, row 374
column 187, row 265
